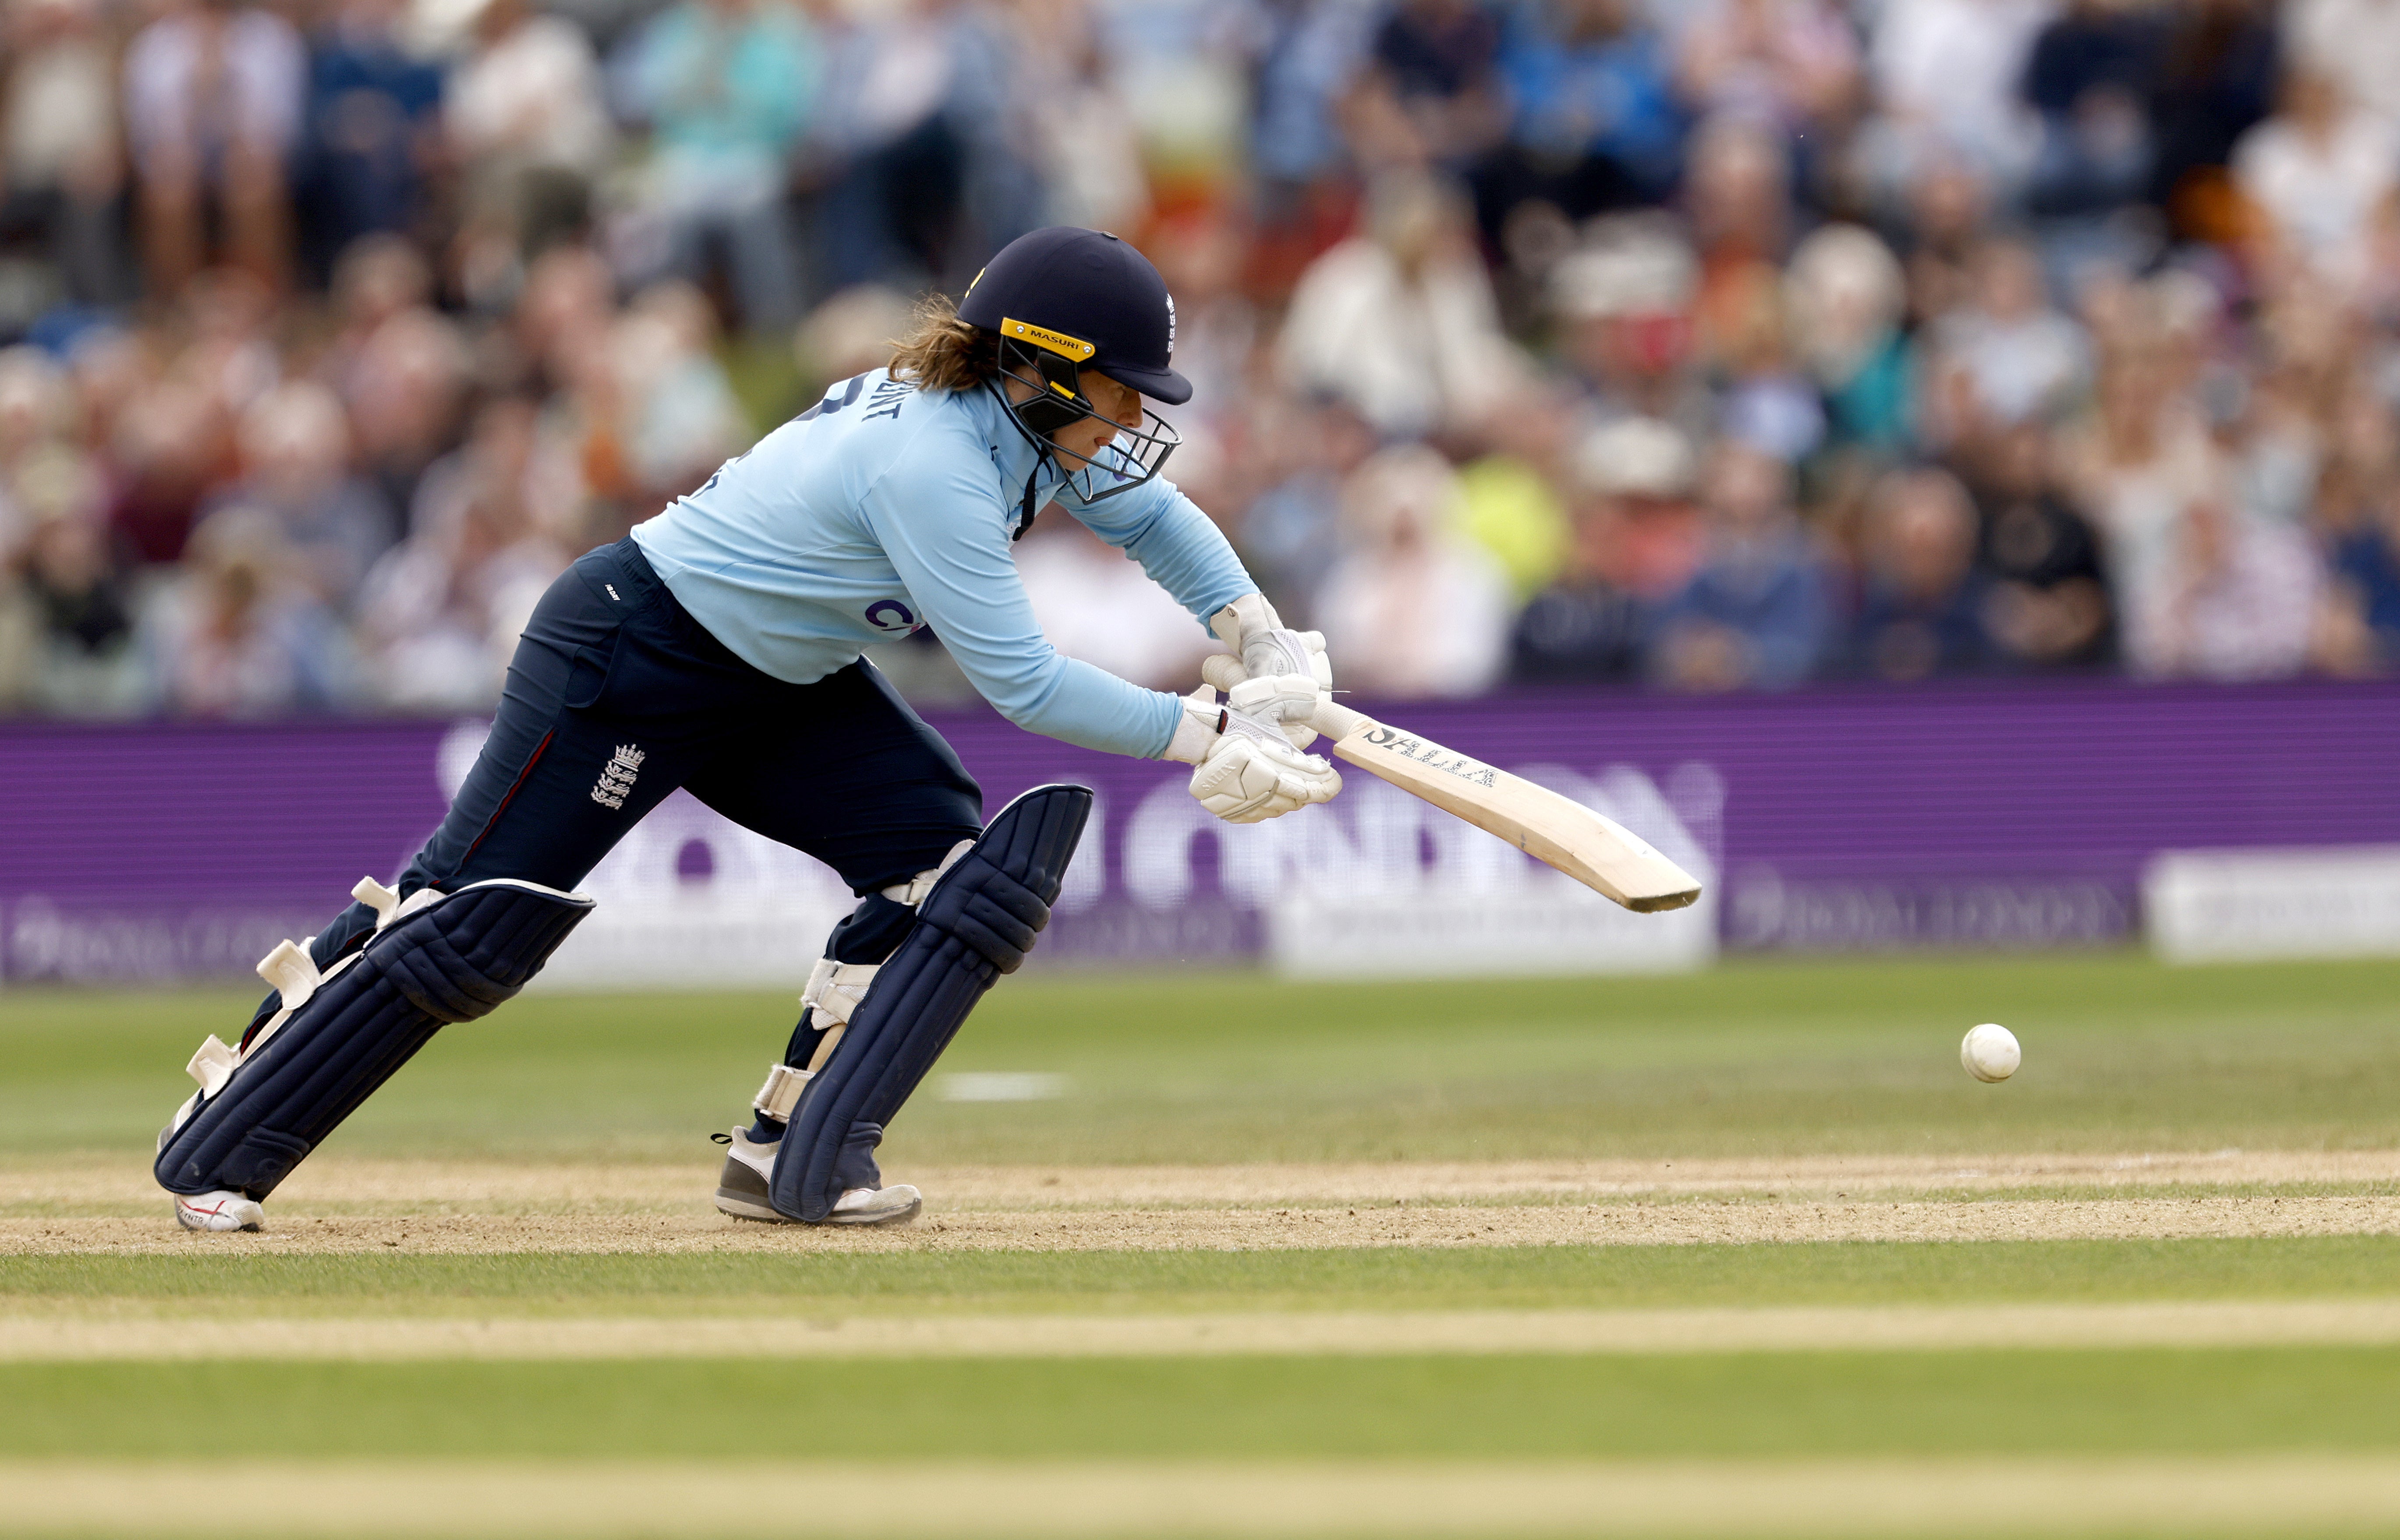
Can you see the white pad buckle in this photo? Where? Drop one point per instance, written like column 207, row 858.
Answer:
column 387, row 905
column 293, row 971
column 782, row 1092
column 835, row 989
column 913, row 893
column 214, row 1065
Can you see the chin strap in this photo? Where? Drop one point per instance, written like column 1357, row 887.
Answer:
column 1025, row 508
column 1025, row 511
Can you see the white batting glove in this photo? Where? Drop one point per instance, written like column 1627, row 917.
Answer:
column 1247, row 771
column 1265, row 648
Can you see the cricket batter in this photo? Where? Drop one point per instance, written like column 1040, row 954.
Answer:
column 718, row 648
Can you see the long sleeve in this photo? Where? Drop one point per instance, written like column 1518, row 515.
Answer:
column 939, row 519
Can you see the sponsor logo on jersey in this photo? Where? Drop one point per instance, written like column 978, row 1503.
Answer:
column 617, row 779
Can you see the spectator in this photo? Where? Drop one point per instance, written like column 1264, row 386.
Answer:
column 1507, row 500
column 726, row 88
column 1625, row 300
column 169, row 446
column 681, row 420
column 377, row 277
column 898, row 204
column 62, row 156
column 296, row 448
column 1401, row 322
column 405, row 394
column 2049, row 605
column 235, row 636
column 1634, row 537
column 1420, row 610
column 2321, row 172
column 37, row 415
column 2093, row 73
column 1846, row 297
column 2007, row 355
column 2239, row 603
column 1089, row 141
column 1789, row 65
column 2366, row 573
column 1946, row 73
column 1738, row 197
column 1431, row 95
column 2217, row 80
column 1756, row 612
column 1583, row 628
column 78, row 634
column 439, row 612
column 851, row 334
column 213, row 94
column 1303, row 59
column 2132, row 467
column 1948, row 204
column 1624, row 303
column 1291, row 536
column 2355, row 42
column 522, row 111
column 1594, row 125
column 1764, row 402
column 374, row 131
column 1642, row 471
column 1922, row 610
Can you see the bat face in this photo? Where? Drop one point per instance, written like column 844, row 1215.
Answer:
column 1597, row 852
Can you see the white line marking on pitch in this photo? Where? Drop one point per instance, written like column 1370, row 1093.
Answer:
column 2193, row 1494
column 28, row 1338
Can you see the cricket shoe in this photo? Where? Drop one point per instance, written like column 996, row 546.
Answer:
column 219, row 1211
column 743, row 1188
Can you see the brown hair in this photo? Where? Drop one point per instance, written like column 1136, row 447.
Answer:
column 941, row 352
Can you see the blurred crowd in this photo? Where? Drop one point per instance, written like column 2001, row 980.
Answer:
column 1703, row 345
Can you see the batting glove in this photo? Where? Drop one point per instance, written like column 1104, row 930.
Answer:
column 1246, row 771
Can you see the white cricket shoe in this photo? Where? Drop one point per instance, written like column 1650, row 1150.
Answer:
column 219, row 1211
column 742, row 1190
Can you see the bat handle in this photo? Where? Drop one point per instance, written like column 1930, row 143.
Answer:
column 1338, row 721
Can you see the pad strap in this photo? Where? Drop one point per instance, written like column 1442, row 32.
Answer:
column 835, row 989
column 913, row 893
column 782, row 1092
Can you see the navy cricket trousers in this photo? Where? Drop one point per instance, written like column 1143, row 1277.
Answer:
column 617, row 696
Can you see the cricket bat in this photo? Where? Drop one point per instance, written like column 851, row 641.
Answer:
column 1599, row 852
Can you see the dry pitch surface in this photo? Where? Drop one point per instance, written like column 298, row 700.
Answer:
column 334, row 1205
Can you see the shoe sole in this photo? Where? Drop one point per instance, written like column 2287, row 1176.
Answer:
column 738, row 1205
column 741, row 1206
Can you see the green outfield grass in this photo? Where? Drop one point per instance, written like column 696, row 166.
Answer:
column 1150, row 1282
column 1754, row 1058
column 1751, row 1404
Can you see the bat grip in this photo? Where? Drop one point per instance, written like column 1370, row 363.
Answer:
column 1338, row 721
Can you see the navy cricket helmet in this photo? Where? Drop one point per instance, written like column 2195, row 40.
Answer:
column 1062, row 300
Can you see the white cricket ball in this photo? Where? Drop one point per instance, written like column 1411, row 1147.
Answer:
column 1990, row 1052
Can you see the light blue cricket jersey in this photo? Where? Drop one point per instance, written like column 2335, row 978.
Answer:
column 880, row 510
